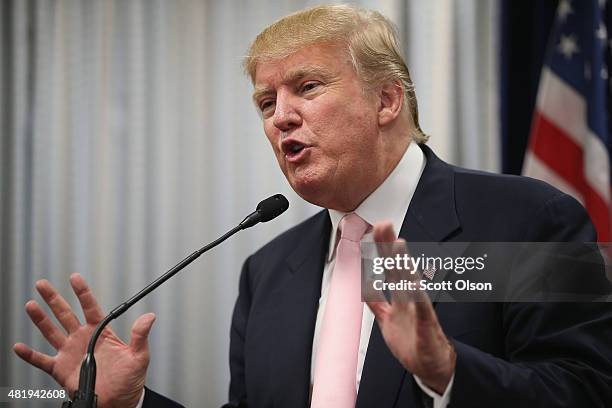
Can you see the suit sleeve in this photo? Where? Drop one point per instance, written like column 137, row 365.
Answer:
column 237, row 390
column 556, row 354
column 155, row 400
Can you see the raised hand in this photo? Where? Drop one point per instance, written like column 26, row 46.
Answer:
column 411, row 329
column 121, row 367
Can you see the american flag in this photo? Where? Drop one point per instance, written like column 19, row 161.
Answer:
column 570, row 145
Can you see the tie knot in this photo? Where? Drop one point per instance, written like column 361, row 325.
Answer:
column 353, row 227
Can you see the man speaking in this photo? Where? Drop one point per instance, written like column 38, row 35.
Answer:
column 340, row 112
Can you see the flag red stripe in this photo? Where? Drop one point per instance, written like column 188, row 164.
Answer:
column 559, row 152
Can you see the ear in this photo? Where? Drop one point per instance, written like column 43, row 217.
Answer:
column 391, row 101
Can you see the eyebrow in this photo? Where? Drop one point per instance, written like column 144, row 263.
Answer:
column 294, row 75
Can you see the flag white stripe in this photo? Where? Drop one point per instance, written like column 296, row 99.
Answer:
column 536, row 168
column 566, row 109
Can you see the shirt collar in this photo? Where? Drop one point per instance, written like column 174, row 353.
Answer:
column 390, row 201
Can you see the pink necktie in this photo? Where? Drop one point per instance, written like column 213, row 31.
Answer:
column 334, row 383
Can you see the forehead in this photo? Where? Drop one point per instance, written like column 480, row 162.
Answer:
column 323, row 59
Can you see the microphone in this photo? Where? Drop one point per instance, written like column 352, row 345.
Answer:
column 267, row 210
column 85, row 396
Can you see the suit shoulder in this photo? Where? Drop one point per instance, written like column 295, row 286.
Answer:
column 289, row 238
column 505, row 186
column 519, row 208
column 262, row 265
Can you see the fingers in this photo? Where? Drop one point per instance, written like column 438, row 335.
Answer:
column 54, row 336
column 384, row 236
column 415, row 304
column 380, row 309
column 60, row 308
column 424, row 309
column 37, row 359
column 140, row 332
column 91, row 309
column 383, row 232
column 389, row 246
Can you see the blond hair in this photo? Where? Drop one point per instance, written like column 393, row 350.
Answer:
column 370, row 39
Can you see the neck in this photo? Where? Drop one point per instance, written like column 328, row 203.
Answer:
column 348, row 199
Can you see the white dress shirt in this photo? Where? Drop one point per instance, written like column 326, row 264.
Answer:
column 389, row 202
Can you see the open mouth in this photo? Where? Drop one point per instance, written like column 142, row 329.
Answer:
column 294, row 149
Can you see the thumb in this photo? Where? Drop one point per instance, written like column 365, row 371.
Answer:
column 140, row 332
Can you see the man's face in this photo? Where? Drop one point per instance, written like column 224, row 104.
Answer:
column 322, row 127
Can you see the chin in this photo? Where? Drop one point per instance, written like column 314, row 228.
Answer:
column 309, row 189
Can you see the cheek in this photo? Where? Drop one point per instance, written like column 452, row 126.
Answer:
column 272, row 135
column 344, row 127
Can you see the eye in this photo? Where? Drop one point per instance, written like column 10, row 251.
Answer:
column 309, row 86
column 266, row 105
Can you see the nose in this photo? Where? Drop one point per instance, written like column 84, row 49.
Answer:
column 286, row 117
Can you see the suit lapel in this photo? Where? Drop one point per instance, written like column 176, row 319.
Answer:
column 297, row 311
column 431, row 217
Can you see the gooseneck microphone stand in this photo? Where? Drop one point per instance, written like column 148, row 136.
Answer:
column 85, row 396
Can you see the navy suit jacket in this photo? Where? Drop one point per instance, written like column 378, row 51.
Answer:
column 508, row 354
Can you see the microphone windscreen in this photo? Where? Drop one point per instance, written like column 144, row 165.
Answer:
column 272, row 207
